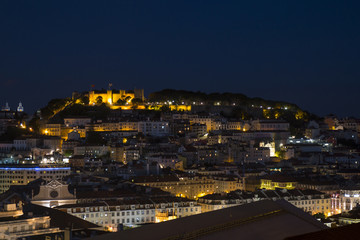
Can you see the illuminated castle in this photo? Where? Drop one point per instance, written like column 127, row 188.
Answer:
column 112, row 96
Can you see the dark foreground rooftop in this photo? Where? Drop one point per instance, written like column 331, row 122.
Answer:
column 339, row 233
column 260, row 220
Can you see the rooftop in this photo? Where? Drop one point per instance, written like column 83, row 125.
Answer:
column 260, row 220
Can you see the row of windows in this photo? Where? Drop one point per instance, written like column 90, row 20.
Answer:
column 313, row 208
column 127, row 220
column 128, row 213
column 138, row 220
column 311, row 202
column 96, row 215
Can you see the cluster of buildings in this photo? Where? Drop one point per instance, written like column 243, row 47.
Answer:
column 130, row 167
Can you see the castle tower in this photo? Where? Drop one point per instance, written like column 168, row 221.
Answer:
column 20, row 108
column 109, row 98
column 139, row 93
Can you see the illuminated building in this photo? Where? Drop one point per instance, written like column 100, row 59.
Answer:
column 15, row 225
column 20, row 108
column 112, row 97
column 22, row 175
column 113, row 126
column 153, row 128
column 237, row 125
column 52, row 130
column 191, row 187
column 131, row 153
column 258, row 220
column 207, row 120
column 349, row 198
column 133, row 212
column 308, row 200
column 271, row 182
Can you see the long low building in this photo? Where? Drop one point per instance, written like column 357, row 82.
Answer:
column 310, row 201
column 111, row 214
column 259, row 220
column 190, row 186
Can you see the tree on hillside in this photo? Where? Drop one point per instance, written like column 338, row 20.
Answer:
column 127, row 99
column 121, row 102
column 99, row 100
column 84, row 100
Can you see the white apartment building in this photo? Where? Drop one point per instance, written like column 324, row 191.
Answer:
column 132, row 212
column 310, row 201
column 349, row 198
column 156, row 128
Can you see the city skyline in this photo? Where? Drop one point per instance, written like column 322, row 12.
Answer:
column 139, row 119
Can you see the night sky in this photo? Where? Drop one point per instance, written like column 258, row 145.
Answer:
column 305, row 52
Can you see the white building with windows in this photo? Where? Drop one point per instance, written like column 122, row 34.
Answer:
column 349, row 198
column 154, row 128
column 133, row 212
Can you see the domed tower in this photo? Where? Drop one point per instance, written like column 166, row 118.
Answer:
column 6, row 108
column 20, row 108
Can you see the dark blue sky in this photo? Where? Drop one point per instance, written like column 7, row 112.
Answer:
column 305, row 52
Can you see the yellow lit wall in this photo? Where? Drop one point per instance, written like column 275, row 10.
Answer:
column 110, row 96
column 270, row 185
